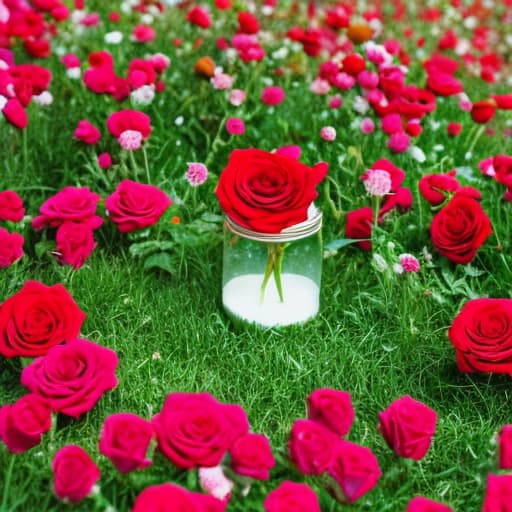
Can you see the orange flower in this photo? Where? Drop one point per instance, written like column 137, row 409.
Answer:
column 359, row 33
column 205, row 66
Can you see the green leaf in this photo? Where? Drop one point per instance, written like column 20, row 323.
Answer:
column 212, row 217
column 472, row 271
column 142, row 249
column 43, row 247
column 334, row 245
column 162, row 261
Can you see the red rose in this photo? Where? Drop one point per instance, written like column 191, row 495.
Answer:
column 505, row 447
column 483, row 111
column 311, row 446
column 11, row 247
column 292, row 497
column 71, row 203
column 267, row 192
column 75, row 243
column 460, row 228
column 422, row 504
column 454, row 129
column 435, row 187
column 408, row 427
column 332, row 408
column 482, row 336
column 160, row 497
column 200, row 17
column 36, row 318
column 359, row 225
column 401, row 200
column 498, row 495
column 135, row 206
column 11, row 206
column 194, row 429
column 251, row 456
column 74, row 473
column 443, row 84
column 125, row 440
column 72, row 377
column 355, row 470
column 23, row 423
column 247, row 23
column 502, row 165
column 353, row 64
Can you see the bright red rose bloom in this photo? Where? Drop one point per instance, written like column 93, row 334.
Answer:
column 435, row 187
column 355, row 469
column 23, row 423
column 359, row 225
column 482, row 336
column 498, row 495
column 505, row 447
column 332, row 408
column 72, row 377
column 422, row 504
column 292, row 497
column 11, row 247
column 75, row 243
column 460, row 228
column 483, row 111
column 247, row 23
column 267, row 192
column 36, row 318
column 251, row 456
column 200, row 17
column 408, row 426
column 11, row 206
column 311, row 446
column 135, row 205
column 194, row 429
column 125, row 440
column 502, row 165
column 74, row 473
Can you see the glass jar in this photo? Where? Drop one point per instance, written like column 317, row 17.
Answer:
column 273, row 279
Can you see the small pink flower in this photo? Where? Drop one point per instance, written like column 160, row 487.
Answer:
column 70, row 60
column 104, row 160
column 222, row 81
column 237, row 97
column 391, row 123
column 367, row 125
column 214, row 482
column 464, row 102
column 398, row 142
column 409, row 262
column 86, row 132
column 335, row 101
column 130, row 140
column 368, row 79
column 344, row 81
column 328, row 133
column 272, row 95
column 143, row 34
column 320, row 86
column 377, row 182
column 235, row 126
column 487, row 167
column 196, row 174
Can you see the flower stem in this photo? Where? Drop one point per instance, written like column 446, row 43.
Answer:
column 146, row 165
column 268, row 271
column 278, row 266
column 7, row 482
column 274, row 266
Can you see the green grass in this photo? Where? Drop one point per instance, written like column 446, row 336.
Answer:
column 378, row 335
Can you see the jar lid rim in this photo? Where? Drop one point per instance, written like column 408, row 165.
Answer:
column 301, row 230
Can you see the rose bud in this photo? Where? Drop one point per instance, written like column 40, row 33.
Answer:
column 408, row 427
column 292, row 497
column 332, row 408
column 251, row 456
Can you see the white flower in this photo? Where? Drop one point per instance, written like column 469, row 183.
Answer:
column 361, row 105
column 398, row 269
column 44, row 99
column 114, row 37
column 417, row 153
column 74, row 73
column 143, row 95
column 379, row 262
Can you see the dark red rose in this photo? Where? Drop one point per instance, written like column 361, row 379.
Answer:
column 460, row 228
column 355, row 471
column 11, row 247
column 74, row 473
column 11, row 206
column 292, row 497
column 311, row 446
column 72, row 377
column 136, row 206
column 482, row 336
column 125, row 440
column 267, row 192
column 505, row 447
column 359, row 225
column 251, row 456
column 408, row 426
column 498, row 495
column 23, row 423
column 332, row 408
column 422, row 504
column 401, row 200
column 36, row 318
column 194, row 429
column 435, row 187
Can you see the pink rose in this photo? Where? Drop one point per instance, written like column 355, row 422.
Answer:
column 72, row 377
column 11, row 247
column 332, row 408
column 498, row 495
column 355, row 470
column 292, row 497
column 408, row 427
column 505, row 447
column 311, row 446
column 75, row 243
column 422, row 504
column 194, row 429
column 11, row 206
column 125, row 440
column 135, row 206
column 23, row 423
column 251, row 456
column 74, row 473
column 86, row 132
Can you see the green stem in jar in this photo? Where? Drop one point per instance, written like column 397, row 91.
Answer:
column 268, row 271
column 274, row 266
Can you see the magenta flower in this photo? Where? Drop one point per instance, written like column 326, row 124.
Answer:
column 86, row 132
column 130, row 127
column 328, row 133
column 196, row 174
column 272, row 95
column 235, row 126
column 409, row 262
column 398, row 142
column 104, row 160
